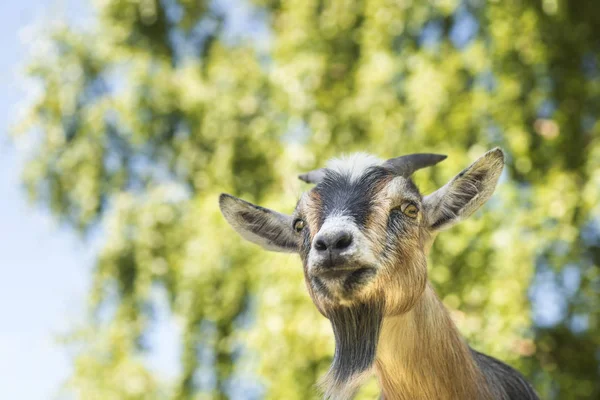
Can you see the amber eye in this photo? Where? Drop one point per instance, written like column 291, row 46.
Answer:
column 298, row 225
column 410, row 210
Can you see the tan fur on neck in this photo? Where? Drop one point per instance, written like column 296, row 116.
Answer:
column 421, row 356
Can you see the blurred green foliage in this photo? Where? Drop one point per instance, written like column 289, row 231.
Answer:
column 147, row 115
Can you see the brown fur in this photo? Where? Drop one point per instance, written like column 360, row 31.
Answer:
column 421, row 356
column 311, row 211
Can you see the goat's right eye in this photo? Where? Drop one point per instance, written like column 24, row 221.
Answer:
column 298, row 225
column 408, row 208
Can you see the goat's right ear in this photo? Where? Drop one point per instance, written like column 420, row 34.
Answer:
column 267, row 228
column 466, row 192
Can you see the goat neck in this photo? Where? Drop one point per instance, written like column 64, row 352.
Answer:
column 421, row 356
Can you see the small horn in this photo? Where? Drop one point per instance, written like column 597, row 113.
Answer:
column 314, row 176
column 406, row 165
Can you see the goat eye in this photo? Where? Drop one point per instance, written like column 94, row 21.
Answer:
column 298, row 225
column 410, row 210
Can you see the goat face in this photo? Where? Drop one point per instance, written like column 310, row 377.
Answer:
column 363, row 231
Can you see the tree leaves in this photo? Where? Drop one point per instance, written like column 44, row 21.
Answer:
column 145, row 117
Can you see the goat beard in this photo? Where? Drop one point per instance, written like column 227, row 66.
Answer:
column 356, row 330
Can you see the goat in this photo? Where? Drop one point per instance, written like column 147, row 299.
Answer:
column 363, row 233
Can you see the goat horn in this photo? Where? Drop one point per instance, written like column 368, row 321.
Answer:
column 314, row 176
column 406, row 165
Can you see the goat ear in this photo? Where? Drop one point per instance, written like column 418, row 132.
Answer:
column 269, row 229
column 466, row 192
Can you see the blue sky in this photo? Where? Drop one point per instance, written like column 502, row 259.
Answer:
column 44, row 269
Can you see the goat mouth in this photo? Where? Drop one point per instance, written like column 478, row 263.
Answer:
column 342, row 282
column 338, row 272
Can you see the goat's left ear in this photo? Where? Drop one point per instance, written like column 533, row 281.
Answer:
column 466, row 192
column 267, row 228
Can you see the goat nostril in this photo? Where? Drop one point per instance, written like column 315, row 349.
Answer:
column 320, row 245
column 344, row 241
column 335, row 241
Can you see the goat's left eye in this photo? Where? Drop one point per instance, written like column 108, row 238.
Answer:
column 410, row 210
column 298, row 225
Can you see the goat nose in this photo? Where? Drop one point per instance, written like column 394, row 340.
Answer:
column 333, row 241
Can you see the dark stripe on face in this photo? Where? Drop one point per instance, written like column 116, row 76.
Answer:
column 319, row 286
column 305, row 245
column 398, row 226
column 355, row 198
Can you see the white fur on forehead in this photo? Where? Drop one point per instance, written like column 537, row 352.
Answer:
column 353, row 165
